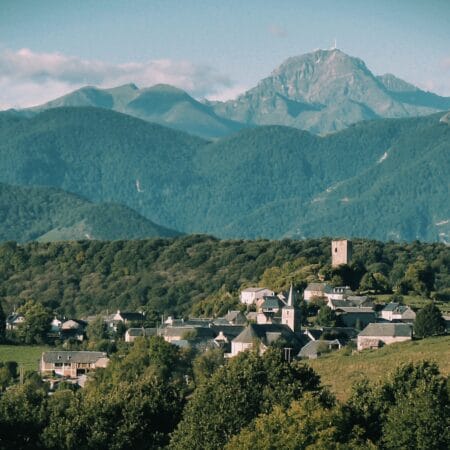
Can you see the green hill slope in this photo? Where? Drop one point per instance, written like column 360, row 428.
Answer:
column 383, row 179
column 33, row 213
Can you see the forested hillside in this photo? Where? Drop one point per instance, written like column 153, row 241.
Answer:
column 49, row 214
column 202, row 275
column 383, row 179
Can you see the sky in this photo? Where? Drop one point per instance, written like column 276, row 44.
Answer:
column 212, row 49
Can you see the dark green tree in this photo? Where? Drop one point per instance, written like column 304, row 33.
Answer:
column 326, row 317
column 2, row 324
column 36, row 326
column 429, row 321
column 236, row 393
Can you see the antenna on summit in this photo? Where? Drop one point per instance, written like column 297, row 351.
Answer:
column 335, row 44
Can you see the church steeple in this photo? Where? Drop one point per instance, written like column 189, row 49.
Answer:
column 290, row 314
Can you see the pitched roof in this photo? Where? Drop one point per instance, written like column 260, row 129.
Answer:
column 267, row 334
column 132, row 316
column 312, row 348
column 387, row 329
column 323, row 287
column 80, row 357
column 356, row 309
column 230, row 331
column 270, row 302
column 142, row 332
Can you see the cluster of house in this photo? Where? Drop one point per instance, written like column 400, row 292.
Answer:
column 64, row 329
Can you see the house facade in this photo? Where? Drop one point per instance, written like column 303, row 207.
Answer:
column 395, row 311
column 250, row 295
column 376, row 335
column 71, row 363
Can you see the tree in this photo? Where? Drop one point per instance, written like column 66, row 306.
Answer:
column 236, row 393
column 429, row 321
column 2, row 324
column 326, row 317
column 419, row 277
column 36, row 325
column 96, row 330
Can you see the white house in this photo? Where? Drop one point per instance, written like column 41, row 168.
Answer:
column 395, row 311
column 71, row 363
column 316, row 290
column 250, row 295
column 376, row 335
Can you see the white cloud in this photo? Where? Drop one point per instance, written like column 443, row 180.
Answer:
column 28, row 78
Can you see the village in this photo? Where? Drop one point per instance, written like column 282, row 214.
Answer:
column 264, row 318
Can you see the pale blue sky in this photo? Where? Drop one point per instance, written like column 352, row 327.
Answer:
column 228, row 45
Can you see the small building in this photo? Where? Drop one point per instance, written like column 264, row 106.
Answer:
column 351, row 301
column 313, row 349
column 235, row 318
column 73, row 329
column 376, row 335
column 316, row 290
column 132, row 333
column 397, row 312
column 71, row 363
column 250, row 295
column 262, row 336
column 350, row 316
column 14, row 320
column 189, row 333
column 339, row 293
column 270, row 304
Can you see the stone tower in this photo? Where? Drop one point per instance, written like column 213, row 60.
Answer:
column 341, row 252
column 290, row 314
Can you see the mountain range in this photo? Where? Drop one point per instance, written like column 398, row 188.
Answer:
column 384, row 179
column 323, row 91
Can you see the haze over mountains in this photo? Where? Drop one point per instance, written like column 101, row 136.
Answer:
column 384, row 179
column 322, row 92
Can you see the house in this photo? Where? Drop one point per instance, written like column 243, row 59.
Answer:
column 73, row 329
column 350, row 300
column 263, row 336
column 132, row 333
column 313, row 349
column 339, row 293
column 316, row 290
column 397, row 312
column 235, row 318
column 350, row 316
column 250, row 295
column 343, row 334
column 189, row 332
column 376, row 335
column 14, row 320
column 71, row 363
column 269, row 304
column 225, row 334
column 127, row 318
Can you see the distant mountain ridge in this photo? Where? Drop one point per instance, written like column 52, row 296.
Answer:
column 162, row 104
column 326, row 91
column 323, row 91
column 383, row 179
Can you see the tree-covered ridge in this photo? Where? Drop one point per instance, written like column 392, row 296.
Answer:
column 202, row 275
column 371, row 180
column 40, row 213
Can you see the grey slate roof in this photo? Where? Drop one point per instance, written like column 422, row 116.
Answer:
column 132, row 316
column 271, row 303
column 142, row 332
column 387, row 329
column 318, row 287
column 312, row 348
column 80, row 357
column 269, row 333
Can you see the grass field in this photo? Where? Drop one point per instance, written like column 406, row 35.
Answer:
column 27, row 356
column 339, row 370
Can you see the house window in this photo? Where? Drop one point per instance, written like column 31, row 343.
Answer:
column 335, row 250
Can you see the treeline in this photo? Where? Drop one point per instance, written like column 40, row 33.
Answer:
column 203, row 275
column 155, row 395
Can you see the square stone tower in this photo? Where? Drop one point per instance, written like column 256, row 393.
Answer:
column 341, row 252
